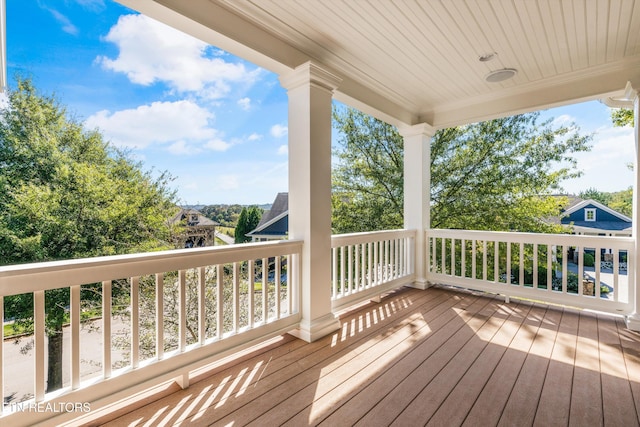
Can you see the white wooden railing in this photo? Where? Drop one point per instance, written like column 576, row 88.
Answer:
column 228, row 298
column 535, row 266
column 365, row 265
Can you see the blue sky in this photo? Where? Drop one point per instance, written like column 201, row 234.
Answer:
column 217, row 123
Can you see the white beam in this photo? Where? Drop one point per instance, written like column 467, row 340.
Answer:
column 310, row 89
column 633, row 320
column 417, row 192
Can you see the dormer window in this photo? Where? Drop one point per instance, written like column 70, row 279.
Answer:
column 590, row 214
column 194, row 218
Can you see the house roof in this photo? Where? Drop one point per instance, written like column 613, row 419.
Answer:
column 584, row 203
column 185, row 214
column 410, row 62
column 274, row 222
column 575, row 204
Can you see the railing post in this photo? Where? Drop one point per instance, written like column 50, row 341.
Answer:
column 417, row 194
column 633, row 320
column 310, row 90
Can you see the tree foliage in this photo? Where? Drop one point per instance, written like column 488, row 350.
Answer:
column 619, row 201
column 247, row 221
column 66, row 193
column 225, row 215
column 494, row 175
column 622, row 117
column 594, row 194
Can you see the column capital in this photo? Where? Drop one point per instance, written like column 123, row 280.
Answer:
column 421, row 129
column 632, row 90
column 310, row 73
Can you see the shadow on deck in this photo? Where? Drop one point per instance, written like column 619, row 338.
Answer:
column 436, row 357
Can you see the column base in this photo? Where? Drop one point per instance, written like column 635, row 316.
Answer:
column 316, row 329
column 633, row 322
column 421, row 284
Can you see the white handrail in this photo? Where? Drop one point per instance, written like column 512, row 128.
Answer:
column 366, row 265
column 495, row 256
column 22, row 278
column 275, row 314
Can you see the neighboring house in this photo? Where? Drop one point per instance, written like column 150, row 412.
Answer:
column 199, row 230
column 592, row 218
column 595, row 219
column 274, row 224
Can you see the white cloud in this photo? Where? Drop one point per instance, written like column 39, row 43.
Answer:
column 283, row 150
column 151, row 52
column 159, row 122
column 228, row 182
column 279, row 131
column 67, row 25
column 183, row 148
column 254, row 137
column 218, row 145
column 92, row 5
column 563, row 120
column 605, row 166
column 245, row 103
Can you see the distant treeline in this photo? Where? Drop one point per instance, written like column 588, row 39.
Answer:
column 620, row 201
column 225, row 215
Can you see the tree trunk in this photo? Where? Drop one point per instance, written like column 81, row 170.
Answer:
column 54, row 372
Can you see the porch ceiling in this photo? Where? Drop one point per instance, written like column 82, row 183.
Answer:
column 409, row 61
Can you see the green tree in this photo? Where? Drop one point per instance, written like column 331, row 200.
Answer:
column 493, row 175
column 66, row 193
column 622, row 201
column 598, row 196
column 622, row 116
column 247, row 221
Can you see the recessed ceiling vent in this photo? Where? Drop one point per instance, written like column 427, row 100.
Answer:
column 500, row 75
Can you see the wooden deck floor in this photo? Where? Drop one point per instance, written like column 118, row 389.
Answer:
column 438, row 357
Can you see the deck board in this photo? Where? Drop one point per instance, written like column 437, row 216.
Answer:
column 618, row 405
column 437, row 357
column 586, row 376
column 556, row 391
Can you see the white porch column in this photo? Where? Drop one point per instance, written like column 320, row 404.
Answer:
column 310, row 90
column 633, row 320
column 417, row 192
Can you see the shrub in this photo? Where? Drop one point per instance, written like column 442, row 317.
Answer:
column 589, row 260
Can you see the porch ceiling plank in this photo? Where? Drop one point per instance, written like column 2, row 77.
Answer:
column 551, row 16
column 453, row 356
column 632, row 46
column 612, row 20
column 409, row 61
column 537, row 36
column 446, row 48
column 516, row 33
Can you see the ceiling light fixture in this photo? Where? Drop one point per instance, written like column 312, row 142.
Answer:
column 487, row 57
column 500, row 75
